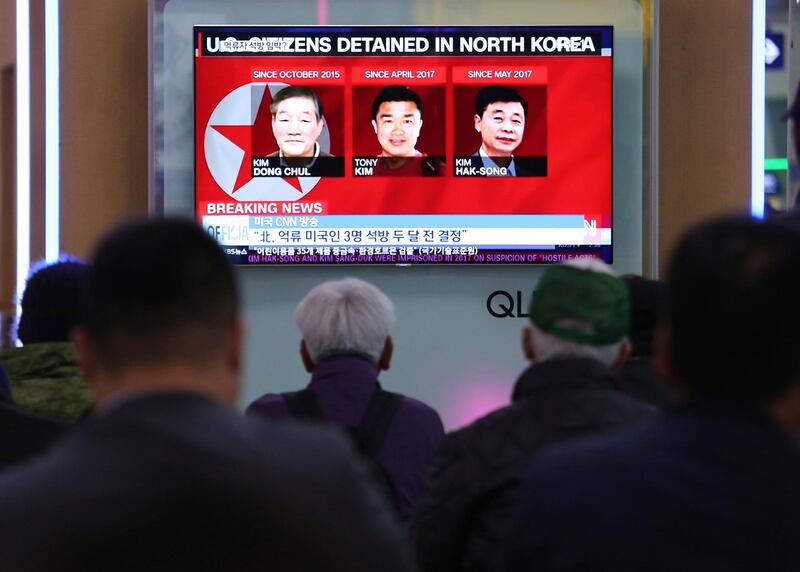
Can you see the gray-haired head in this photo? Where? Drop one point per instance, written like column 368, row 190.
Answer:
column 348, row 316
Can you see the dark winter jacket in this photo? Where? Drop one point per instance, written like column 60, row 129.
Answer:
column 470, row 492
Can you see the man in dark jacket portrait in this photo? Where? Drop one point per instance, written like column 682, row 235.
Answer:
column 577, row 337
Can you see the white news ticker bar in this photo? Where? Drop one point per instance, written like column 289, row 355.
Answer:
column 235, row 231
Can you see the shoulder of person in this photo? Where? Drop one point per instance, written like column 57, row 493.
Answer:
column 270, row 404
column 475, row 446
column 595, row 454
column 302, row 451
column 418, row 409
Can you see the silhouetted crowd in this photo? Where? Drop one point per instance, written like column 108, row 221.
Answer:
column 655, row 428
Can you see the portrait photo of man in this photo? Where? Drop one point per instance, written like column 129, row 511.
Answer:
column 500, row 113
column 297, row 122
column 397, row 121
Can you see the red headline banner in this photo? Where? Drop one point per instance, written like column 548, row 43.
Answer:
column 406, row 75
column 261, row 208
column 500, row 74
column 300, row 76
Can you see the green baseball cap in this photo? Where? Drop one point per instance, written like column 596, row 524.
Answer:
column 581, row 305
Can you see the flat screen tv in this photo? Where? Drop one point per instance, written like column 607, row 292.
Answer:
column 404, row 145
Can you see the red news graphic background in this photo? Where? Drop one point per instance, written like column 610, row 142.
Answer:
column 467, row 140
column 578, row 141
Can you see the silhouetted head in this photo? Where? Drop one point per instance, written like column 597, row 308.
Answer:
column 648, row 301
column 51, row 303
column 733, row 327
column 160, row 294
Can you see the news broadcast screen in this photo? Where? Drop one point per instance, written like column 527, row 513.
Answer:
column 404, row 145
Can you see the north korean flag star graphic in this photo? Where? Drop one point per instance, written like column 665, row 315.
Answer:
column 255, row 140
